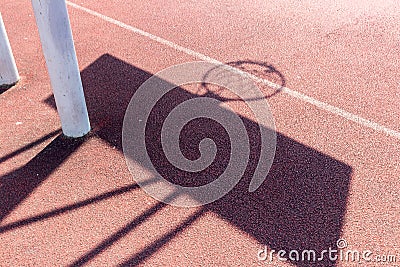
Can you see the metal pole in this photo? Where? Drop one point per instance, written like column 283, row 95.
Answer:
column 8, row 69
column 59, row 51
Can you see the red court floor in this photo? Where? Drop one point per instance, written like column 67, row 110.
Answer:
column 336, row 171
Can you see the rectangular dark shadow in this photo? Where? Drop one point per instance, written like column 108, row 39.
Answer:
column 300, row 206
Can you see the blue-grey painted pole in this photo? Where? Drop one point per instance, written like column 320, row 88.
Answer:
column 8, row 68
column 59, row 51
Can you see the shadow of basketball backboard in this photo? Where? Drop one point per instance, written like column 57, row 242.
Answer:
column 301, row 204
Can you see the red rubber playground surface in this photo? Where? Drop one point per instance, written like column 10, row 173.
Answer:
column 336, row 171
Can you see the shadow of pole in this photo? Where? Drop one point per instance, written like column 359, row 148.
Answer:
column 119, row 234
column 68, row 208
column 19, row 184
column 152, row 248
column 30, row 146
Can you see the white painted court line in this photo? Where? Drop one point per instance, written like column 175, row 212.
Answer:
column 322, row 105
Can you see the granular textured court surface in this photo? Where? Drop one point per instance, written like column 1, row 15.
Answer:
column 336, row 173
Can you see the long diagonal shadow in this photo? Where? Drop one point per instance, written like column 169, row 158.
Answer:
column 30, row 146
column 120, row 233
column 19, row 184
column 162, row 241
column 65, row 209
column 300, row 206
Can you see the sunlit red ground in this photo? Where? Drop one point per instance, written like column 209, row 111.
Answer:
column 74, row 202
